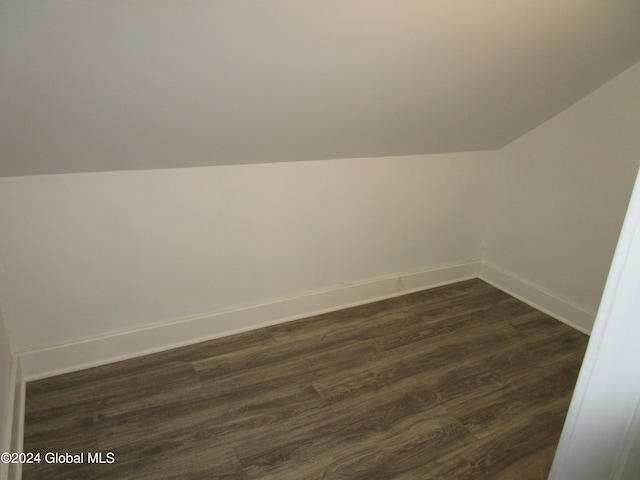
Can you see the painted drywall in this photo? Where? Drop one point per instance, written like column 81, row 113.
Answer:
column 560, row 193
column 96, row 253
column 144, row 84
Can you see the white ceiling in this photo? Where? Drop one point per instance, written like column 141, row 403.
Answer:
column 98, row 85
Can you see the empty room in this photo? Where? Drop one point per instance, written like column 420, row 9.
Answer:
column 276, row 239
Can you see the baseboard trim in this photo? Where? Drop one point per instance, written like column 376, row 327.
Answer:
column 17, row 430
column 5, row 441
column 13, row 433
column 90, row 352
column 560, row 308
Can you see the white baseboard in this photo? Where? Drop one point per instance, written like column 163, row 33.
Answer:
column 54, row 360
column 17, row 430
column 560, row 308
column 13, row 434
column 5, row 440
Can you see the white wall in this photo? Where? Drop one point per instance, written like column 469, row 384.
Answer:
column 84, row 255
column 136, row 85
column 92, row 254
column 561, row 191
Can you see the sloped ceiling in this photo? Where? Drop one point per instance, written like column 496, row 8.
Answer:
column 98, row 85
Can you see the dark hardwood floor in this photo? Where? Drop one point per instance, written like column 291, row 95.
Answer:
column 456, row 382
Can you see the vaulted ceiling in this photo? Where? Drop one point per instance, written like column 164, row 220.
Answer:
column 99, row 85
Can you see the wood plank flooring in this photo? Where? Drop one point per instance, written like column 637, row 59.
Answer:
column 457, row 382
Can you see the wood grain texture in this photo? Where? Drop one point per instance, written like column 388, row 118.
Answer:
column 461, row 381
